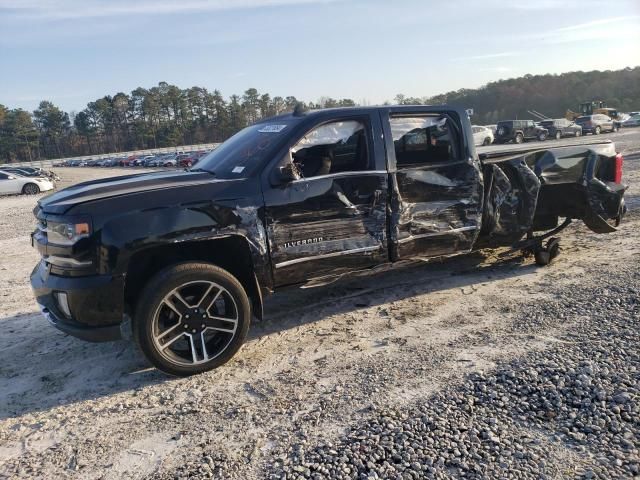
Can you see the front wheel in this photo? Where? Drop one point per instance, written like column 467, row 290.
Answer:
column 519, row 138
column 578, row 133
column 597, row 131
column 558, row 135
column 487, row 141
column 542, row 137
column 191, row 317
column 30, row 189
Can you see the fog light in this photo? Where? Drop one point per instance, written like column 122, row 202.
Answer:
column 63, row 303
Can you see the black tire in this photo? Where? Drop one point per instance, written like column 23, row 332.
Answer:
column 542, row 137
column 578, row 133
column 30, row 189
column 487, row 141
column 615, row 129
column 152, row 301
column 519, row 138
column 597, row 131
column 558, row 135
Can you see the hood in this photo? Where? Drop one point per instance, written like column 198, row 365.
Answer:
column 61, row 201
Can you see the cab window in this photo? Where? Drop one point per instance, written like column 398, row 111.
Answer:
column 332, row 147
column 420, row 140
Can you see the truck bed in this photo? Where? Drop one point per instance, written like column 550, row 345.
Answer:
column 529, row 189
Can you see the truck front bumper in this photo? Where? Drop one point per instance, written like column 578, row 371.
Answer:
column 89, row 307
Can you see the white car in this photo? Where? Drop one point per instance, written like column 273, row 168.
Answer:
column 11, row 183
column 633, row 121
column 482, row 135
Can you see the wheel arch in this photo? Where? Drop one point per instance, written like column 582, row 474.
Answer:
column 231, row 253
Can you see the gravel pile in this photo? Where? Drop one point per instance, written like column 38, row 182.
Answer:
column 572, row 410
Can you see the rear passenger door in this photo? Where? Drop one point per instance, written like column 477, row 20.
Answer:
column 436, row 197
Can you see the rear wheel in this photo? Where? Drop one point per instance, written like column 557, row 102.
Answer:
column 558, row 135
column 519, row 138
column 487, row 141
column 596, row 131
column 30, row 189
column 191, row 317
column 615, row 128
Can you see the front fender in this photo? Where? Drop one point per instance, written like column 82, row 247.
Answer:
column 133, row 232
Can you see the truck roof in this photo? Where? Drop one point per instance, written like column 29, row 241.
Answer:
column 357, row 110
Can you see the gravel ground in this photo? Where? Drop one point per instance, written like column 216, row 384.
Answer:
column 572, row 410
column 482, row 366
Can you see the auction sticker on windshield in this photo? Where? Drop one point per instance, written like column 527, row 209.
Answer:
column 272, row 128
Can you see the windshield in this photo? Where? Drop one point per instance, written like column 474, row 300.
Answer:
column 240, row 155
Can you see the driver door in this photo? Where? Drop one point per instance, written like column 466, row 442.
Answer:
column 331, row 219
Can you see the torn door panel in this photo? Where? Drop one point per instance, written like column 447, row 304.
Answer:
column 436, row 211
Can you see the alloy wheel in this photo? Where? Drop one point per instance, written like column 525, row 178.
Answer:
column 195, row 323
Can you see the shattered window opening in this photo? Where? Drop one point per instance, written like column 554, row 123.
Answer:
column 332, row 148
column 423, row 140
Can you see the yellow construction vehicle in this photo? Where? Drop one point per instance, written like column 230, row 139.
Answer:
column 588, row 108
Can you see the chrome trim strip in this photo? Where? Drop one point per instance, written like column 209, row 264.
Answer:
column 65, row 261
column 342, row 174
column 327, row 255
column 437, row 234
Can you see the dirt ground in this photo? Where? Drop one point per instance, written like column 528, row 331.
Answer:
column 318, row 362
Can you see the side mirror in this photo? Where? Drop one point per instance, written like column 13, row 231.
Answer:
column 288, row 173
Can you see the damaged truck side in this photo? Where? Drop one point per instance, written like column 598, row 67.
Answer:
column 187, row 256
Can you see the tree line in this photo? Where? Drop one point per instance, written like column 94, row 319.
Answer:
column 551, row 95
column 166, row 116
column 162, row 116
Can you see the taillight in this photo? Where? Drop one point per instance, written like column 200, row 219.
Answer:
column 617, row 168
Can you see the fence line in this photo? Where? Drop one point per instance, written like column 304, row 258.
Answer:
column 152, row 151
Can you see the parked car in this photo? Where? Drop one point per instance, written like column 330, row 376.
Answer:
column 561, row 127
column 181, row 260
column 128, row 161
column 596, row 124
column 186, row 160
column 23, row 171
column 482, row 135
column 632, row 121
column 518, row 131
column 12, row 183
column 168, row 161
column 142, row 161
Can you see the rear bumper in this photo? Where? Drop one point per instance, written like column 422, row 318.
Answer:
column 95, row 303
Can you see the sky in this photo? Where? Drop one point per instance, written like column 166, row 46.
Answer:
column 75, row 51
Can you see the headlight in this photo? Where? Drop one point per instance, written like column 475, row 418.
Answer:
column 67, row 233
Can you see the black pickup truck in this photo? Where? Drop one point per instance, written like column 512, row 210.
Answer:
column 181, row 260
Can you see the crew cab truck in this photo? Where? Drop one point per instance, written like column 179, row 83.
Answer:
column 181, row 260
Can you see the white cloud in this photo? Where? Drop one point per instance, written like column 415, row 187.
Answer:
column 75, row 9
column 603, row 21
column 489, row 56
